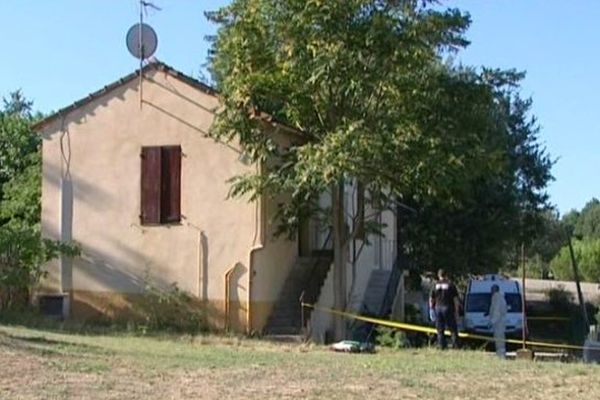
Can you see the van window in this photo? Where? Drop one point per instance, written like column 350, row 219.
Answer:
column 480, row 302
column 513, row 301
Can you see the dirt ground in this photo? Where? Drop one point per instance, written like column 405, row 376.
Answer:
column 36, row 364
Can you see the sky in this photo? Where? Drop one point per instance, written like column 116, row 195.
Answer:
column 60, row 51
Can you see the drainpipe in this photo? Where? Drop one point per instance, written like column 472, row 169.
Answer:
column 257, row 244
column 228, row 296
column 251, row 273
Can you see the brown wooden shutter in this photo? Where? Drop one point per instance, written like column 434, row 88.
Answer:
column 171, row 184
column 151, row 185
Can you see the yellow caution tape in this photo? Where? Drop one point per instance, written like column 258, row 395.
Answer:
column 430, row 330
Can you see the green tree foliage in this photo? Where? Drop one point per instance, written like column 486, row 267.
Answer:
column 20, row 163
column 588, row 221
column 549, row 238
column 22, row 249
column 354, row 77
column 498, row 208
column 17, row 104
column 546, row 242
column 569, row 221
column 587, row 254
column 584, row 226
column 18, row 143
column 22, row 252
column 20, row 204
column 550, row 241
column 364, row 84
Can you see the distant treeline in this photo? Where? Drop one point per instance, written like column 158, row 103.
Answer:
column 549, row 257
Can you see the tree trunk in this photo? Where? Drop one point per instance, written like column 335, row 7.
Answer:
column 339, row 259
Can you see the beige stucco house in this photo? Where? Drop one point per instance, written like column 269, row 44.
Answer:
column 134, row 179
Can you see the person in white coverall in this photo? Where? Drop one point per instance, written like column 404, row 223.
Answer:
column 498, row 310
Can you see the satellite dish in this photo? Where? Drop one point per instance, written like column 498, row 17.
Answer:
column 147, row 46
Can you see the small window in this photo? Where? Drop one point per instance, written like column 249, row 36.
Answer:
column 161, row 185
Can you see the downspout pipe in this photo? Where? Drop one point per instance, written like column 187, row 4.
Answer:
column 228, row 297
column 257, row 244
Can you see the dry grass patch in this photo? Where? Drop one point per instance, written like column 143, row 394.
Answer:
column 37, row 364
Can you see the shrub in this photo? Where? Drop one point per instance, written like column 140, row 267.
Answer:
column 22, row 254
column 535, row 268
column 563, row 305
column 392, row 338
column 171, row 310
column 412, row 314
column 587, row 255
column 560, row 300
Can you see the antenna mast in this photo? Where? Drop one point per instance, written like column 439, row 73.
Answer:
column 142, row 42
column 141, row 49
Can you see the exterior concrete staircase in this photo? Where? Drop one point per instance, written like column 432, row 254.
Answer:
column 378, row 299
column 306, row 277
column 375, row 292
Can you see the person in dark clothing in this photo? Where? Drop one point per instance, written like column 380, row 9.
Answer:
column 444, row 300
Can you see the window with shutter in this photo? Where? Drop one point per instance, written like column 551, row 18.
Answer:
column 151, row 185
column 171, row 184
column 161, row 185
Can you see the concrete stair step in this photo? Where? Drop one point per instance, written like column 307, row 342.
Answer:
column 288, row 330
column 285, row 321
column 376, row 290
column 286, row 317
column 284, row 338
column 285, row 327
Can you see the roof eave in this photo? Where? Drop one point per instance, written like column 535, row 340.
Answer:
column 154, row 65
column 160, row 66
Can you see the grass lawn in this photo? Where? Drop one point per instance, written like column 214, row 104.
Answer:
column 40, row 364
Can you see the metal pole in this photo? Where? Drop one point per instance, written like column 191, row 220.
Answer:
column 576, row 276
column 141, row 49
column 523, row 300
column 302, row 326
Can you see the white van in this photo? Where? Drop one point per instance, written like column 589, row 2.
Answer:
column 477, row 304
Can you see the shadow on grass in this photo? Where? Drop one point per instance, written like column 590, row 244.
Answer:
column 32, row 319
column 41, row 345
